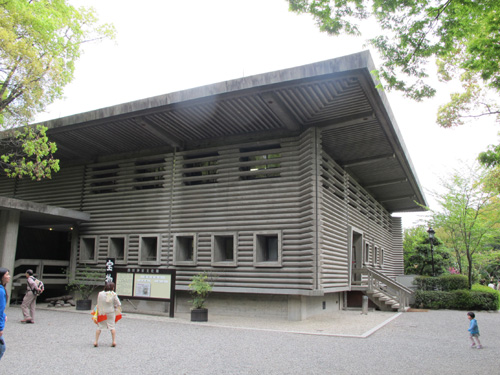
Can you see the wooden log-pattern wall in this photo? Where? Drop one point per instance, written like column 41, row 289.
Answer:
column 286, row 186
column 344, row 204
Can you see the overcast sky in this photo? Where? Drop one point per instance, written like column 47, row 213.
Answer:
column 164, row 46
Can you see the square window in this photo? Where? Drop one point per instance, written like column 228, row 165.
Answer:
column 116, row 249
column 224, row 250
column 267, row 249
column 367, row 253
column 88, row 249
column 149, row 250
column 185, row 250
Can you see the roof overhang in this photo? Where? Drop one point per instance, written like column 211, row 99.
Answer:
column 337, row 96
column 37, row 215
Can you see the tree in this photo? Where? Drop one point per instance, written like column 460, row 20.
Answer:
column 417, row 253
column 40, row 40
column 462, row 37
column 28, row 153
column 469, row 215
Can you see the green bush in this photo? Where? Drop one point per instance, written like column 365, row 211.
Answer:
column 454, row 282
column 487, row 289
column 458, row 299
column 441, row 283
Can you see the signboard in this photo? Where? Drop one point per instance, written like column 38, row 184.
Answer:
column 110, row 270
column 146, row 283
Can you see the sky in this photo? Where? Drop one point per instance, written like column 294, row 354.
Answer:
column 164, row 46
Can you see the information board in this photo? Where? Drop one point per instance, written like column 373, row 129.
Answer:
column 146, row 283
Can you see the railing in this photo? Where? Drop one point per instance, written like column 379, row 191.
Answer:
column 48, row 270
column 357, row 278
column 377, row 281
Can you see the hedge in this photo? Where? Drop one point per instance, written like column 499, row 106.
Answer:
column 442, row 283
column 457, row 299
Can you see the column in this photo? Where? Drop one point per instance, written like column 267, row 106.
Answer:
column 9, row 228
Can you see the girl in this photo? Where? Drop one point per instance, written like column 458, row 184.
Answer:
column 4, row 279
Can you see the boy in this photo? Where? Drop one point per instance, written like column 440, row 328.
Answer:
column 473, row 330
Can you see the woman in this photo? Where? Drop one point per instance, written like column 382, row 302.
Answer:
column 29, row 301
column 4, row 279
column 107, row 304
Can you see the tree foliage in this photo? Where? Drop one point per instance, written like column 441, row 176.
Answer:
column 40, row 40
column 418, row 253
column 469, row 215
column 28, row 153
column 462, row 37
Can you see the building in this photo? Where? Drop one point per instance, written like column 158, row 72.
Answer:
column 282, row 184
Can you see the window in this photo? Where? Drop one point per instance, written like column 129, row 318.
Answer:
column 260, row 162
column 103, row 179
column 149, row 250
column 375, row 256
column 200, row 169
column 381, row 257
column 149, row 174
column 367, row 253
column 88, row 249
column 267, row 249
column 116, row 249
column 185, row 250
column 224, row 249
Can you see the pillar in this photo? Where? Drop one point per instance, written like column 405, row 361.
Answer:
column 9, row 228
column 296, row 308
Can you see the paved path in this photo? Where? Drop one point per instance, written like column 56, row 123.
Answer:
column 433, row 342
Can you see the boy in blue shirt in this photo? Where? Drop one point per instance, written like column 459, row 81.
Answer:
column 473, row 330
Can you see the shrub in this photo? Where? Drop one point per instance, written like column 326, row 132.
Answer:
column 200, row 288
column 454, row 282
column 487, row 289
column 458, row 299
column 443, row 283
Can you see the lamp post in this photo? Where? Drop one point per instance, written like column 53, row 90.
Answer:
column 431, row 239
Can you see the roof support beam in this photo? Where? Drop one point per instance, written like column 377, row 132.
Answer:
column 399, row 198
column 356, row 163
column 346, row 121
column 150, row 127
column 72, row 151
column 277, row 106
column 387, row 183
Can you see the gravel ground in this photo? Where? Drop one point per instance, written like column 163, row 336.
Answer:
column 433, row 342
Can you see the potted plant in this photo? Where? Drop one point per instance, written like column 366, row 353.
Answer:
column 85, row 283
column 200, row 287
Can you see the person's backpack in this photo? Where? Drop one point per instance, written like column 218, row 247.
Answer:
column 39, row 285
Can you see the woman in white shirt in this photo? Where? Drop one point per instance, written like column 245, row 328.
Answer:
column 107, row 305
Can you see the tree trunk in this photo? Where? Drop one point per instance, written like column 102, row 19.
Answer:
column 469, row 273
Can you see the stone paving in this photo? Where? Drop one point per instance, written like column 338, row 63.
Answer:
column 432, row 342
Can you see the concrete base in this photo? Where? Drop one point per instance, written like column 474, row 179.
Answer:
column 293, row 308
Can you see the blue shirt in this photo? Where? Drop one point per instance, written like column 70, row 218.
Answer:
column 473, row 328
column 3, row 303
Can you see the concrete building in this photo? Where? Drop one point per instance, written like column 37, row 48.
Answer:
column 282, row 184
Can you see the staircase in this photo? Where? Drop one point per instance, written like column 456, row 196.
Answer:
column 385, row 292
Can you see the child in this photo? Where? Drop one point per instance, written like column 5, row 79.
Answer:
column 474, row 331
